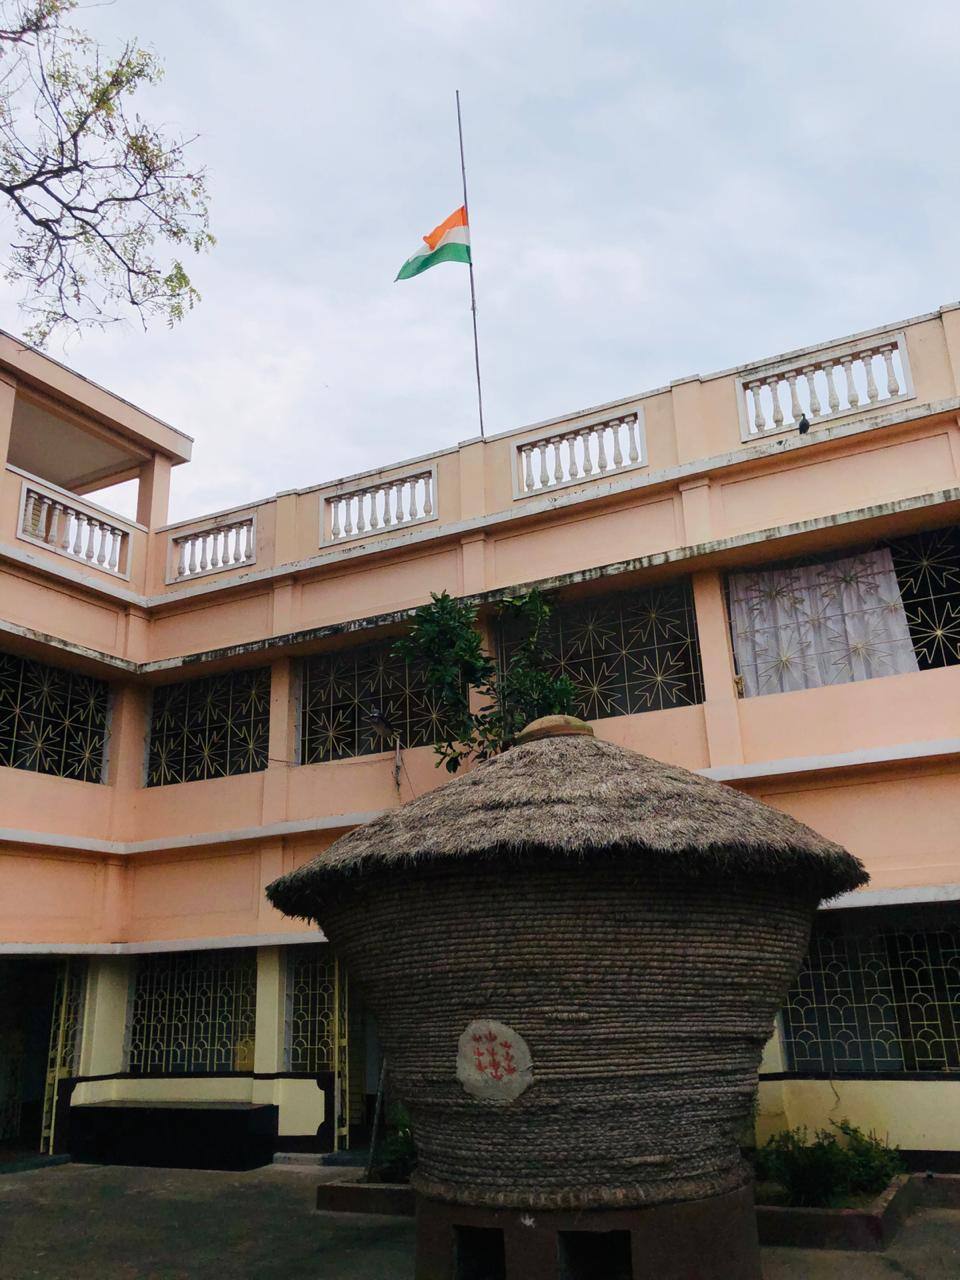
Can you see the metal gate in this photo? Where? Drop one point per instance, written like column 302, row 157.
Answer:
column 66, row 1025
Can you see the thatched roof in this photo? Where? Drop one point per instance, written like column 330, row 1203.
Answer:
column 561, row 790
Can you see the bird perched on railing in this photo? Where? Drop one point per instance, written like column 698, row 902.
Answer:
column 803, row 426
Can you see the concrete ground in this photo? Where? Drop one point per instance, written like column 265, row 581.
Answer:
column 83, row 1222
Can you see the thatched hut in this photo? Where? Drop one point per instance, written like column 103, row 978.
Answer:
column 574, row 955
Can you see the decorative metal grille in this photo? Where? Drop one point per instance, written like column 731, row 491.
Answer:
column 629, row 653
column 880, row 999
column 193, row 1012
column 341, row 689
column 928, row 571
column 52, row 721
column 211, row 728
column 311, row 991
column 66, row 1030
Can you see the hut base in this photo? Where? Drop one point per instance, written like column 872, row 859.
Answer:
column 710, row 1239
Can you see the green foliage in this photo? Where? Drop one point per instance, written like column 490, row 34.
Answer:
column 484, row 705
column 397, row 1154
column 830, row 1167
column 92, row 188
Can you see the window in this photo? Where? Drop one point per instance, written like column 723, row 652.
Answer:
column 633, row 652
column 879, row 991
column 210, row 728
column 311, row 995
column 341, row 689
column 52, row 721
column 193, row 1013
column 889, row 610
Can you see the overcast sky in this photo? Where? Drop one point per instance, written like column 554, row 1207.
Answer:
column 655, row 190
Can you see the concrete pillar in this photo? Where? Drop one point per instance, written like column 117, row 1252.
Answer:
column 283, row 740
column 153, row 492
column 126, row 756
column 7, row 400
column 268, row 1051
column 721, row 704
column 105, row 1017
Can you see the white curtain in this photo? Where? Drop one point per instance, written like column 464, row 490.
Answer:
column 816, row 624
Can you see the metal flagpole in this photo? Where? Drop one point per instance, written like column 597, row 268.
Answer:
column 473, row 293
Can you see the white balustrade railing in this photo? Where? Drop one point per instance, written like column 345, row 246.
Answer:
column 852, row 378
column 224, row 545
column 379, row 508
column 77, row 530
column 574, row 455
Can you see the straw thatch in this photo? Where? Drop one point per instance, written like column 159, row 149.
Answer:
column 581, row 796
column 635, row 925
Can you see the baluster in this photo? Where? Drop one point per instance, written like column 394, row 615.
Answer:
column 759, row 421
column 774, row 386
column 102, row 552
column 78, row 539
column 116, row 544
column 601, row 434
column 832, row 396
column 853, row 398
column 557, row 460
column 181, row 545
column 42, row 517
column 387, row 514
column 428, row 494
column 231, row 544
column 893, row 386
column 572, row 471
column 334, row 517
column 527, row 453
column 873, row 393
column 585, row 436
column 542, row 460
column 54, row 526
column 361, row 511
column 193, row 552
column 68, row 516
column 348, row 515
column 632, row 432
column 374, row 515
column 202, row 538
column 398, row 501
column 92, row 527
column 617, row 451
column 248, row 548
column 26, row 525
column 795, row 411
column 810, row 374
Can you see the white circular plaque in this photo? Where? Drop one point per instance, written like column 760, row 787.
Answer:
column 493, row 1061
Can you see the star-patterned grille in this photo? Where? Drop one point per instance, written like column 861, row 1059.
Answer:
column 210, row 728
column 877, row 997
column 928, row 571
column 52, row 721
column 193, row 1012
column 311, row 998
column 341, row 689
column 629, row 653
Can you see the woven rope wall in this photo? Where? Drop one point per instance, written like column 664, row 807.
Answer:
column 645, row 997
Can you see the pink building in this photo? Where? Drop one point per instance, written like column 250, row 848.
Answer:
column 185, row 714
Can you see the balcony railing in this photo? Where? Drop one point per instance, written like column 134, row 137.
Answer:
column 576, row 454
column 398, row 502
column 60, row 522
column 228, row 542
column 824, row 385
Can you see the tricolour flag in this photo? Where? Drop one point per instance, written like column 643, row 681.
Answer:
column 450, row 242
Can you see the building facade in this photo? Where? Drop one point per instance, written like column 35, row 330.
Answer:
column 754, row 574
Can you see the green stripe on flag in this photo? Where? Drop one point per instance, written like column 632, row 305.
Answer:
column 420, row 261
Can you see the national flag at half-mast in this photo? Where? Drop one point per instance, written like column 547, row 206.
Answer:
column 448, row 242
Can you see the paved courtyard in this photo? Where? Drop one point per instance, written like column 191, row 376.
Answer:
column 83, row 1222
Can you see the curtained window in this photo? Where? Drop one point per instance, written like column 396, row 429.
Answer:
column 806, row 625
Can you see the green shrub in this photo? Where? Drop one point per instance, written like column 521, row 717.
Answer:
column 397, row 1154
column 829, row 1167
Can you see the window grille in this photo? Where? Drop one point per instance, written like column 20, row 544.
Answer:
column 211, row 728
column 625, row 654
column 193, row 1013
column 311, row 1007
column 877, row 997
column 52, row 721
column 341, row 689
column 887, row 610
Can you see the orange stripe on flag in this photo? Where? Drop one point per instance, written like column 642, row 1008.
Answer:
column 457, row 219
